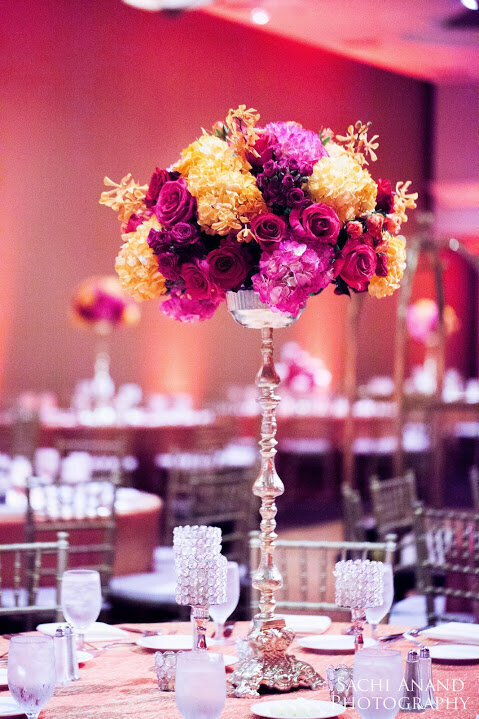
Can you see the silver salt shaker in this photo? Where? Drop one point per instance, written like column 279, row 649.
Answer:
column 425, row 672
column 411, row 699
column 71, row 653
column 62, row 667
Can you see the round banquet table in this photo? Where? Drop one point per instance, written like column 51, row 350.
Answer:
column 138, row 529
column 120, row 683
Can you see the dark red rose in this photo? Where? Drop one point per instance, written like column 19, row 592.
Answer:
column 384, row 198
column 175, row 203
column 158, row 179
column 357, row 265
column 133, row 223
column 198, row 283
column 382, row 265
column 312, row 223
column 158, row 240
column 168, row 265
column 229, row 266
column 269, row 230
column 185, row 233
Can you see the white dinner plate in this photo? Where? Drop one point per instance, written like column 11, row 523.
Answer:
column 9, row 708
column 97, row 632
column 164, row 642
column 454, row 653
column 332, row 643
column 289, row 708
column 306, row 624
column 3, row 677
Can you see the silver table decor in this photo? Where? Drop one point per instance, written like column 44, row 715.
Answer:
column 268, row 638
column 359, row 585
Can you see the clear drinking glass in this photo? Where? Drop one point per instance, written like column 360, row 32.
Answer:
column 200, row 686
column 377, row 677
column 220, row 612
column 375, row 614
column 81, row 599
column 31, row 672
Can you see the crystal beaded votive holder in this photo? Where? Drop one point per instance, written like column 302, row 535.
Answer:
column 340, row 683
column 165, row 667
column 197, row 539
column 359, row 583
column 200, row 579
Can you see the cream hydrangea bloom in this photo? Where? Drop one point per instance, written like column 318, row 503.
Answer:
column 396, row 258
column 226, row 193
column 340, row 182
column 137, row 266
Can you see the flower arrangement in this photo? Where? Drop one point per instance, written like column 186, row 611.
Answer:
column 422, row 321
column 278, row 209
column 101, row 303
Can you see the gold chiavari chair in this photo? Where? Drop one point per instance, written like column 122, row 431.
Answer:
column 307, row 570
column 393, row 503
column 85, row 509
column 24, row 564
column 474, row 483
column 353, row 517
column 447, row 565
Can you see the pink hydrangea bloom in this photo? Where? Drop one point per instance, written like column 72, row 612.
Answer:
column 292, row 272
column 183, row 308
column 289, row 140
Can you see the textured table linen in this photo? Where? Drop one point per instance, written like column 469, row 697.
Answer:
column 120, row 684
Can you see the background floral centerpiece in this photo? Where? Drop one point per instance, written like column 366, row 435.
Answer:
column 278, row 209
column 102, row 304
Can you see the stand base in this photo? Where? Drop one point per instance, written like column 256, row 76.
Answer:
column 269, row 665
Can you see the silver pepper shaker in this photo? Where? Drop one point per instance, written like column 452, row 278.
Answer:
column 411, row 699
column 62, row 668
column 425, row 672
column 71, row 653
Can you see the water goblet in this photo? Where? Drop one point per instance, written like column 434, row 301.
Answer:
column 375, row 614
column 377, row 682
column 200, row 686
column 31, row 672
column 81, row 599
column 220, row 612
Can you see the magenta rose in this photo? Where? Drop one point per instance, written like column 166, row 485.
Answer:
column 264, row 151
column 269, row 230
column 384, row 197
column 175, row 203
column 357, row 265
column 185, row 233
column 158, row 179
column 168, row 265
column 228, row 266
column 313, row 223
column 198, row 282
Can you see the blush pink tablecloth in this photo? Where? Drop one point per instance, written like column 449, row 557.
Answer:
column 120, row 684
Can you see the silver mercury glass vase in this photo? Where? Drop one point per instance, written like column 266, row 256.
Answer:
column 268, row 638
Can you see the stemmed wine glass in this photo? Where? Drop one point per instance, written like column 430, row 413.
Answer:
column 375, row 614
column 220, row 612
column 200, row 685
column 81, row 599
column 31, row 672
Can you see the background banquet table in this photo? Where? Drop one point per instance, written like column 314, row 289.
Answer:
column 120, row 683
column 138, row 530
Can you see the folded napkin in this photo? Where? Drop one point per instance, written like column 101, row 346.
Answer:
column 98, row 632
column 460, row 632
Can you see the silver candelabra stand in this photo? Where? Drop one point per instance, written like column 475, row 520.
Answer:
column 269, row 638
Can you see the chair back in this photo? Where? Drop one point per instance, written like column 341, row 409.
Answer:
column 393, row 503
column 474, row 482
column 447, row 545
column 354, row 528
column 86, row 510
column 30, row 565
column 307, row 570
column 213, row 495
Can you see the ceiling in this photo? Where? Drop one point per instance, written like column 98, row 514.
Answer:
column 435, row 40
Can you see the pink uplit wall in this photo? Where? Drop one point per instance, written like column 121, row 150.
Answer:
column 93, row 88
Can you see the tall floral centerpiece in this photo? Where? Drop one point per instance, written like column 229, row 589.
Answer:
column 262, row 217
column 101, row 304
